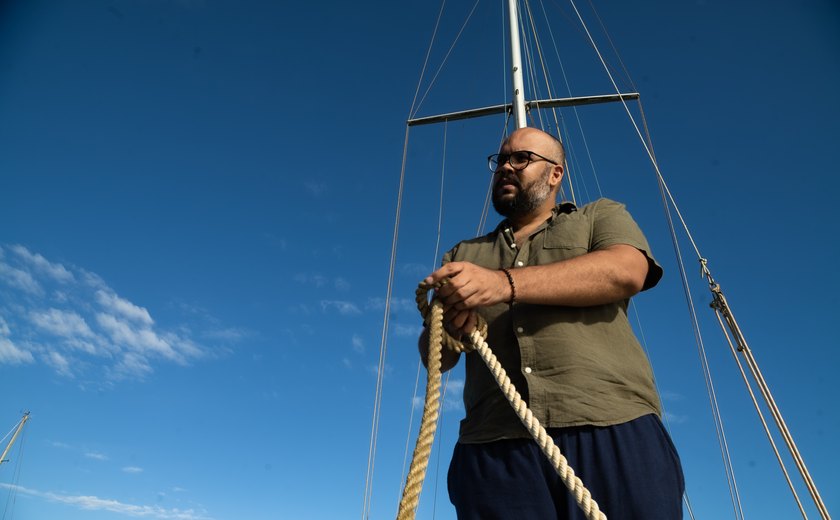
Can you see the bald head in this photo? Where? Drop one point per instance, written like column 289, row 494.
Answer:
column 541, row 142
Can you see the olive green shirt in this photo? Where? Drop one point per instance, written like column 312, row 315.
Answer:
column 573, row 365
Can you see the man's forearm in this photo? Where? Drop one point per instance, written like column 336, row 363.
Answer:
column 595, row 278
column 604, row 276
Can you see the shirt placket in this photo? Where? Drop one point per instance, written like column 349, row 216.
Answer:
column 520, row 253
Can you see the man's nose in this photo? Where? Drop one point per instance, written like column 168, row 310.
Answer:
column 505, row 168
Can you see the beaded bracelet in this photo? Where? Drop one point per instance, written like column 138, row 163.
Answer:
column 512, row 286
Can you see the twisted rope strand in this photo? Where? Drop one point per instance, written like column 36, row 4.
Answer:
column 428, row 424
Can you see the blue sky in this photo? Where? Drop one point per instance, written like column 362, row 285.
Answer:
column 197, row 201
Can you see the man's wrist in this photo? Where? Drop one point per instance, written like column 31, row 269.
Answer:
column 512, row 285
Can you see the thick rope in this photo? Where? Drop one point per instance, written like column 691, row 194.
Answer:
column 428, row 424
column 438, row 337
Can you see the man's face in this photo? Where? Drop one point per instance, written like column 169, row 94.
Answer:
column 518, row 193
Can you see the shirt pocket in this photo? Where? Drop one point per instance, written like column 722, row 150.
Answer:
column 568, row 237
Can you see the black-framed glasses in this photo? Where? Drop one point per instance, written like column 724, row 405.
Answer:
column 519, row 160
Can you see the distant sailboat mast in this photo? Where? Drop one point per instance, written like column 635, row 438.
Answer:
column 14, row 437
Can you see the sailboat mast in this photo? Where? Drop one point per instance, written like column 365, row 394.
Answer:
column 516, row 66
column 14, row 437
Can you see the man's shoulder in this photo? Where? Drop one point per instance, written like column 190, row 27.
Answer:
column 489, row 238
column 472, row 246
column 602, row 204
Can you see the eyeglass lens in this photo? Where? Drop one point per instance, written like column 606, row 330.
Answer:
column 518, row 160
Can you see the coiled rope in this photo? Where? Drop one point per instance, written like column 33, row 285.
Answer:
column 438, row 338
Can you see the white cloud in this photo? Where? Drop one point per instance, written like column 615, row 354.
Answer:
column 358, row 344
column 374, row 369
column 320, row 281
column 55, row 271
column 229, row 334
column 130, row 365
column 674, row 418
column 11, row 354
column 19, row 279
column 408, row 330
column 452, row 397
column 122, row 307
column 669, row 395
column 94, row 503
column 96, row 456
column 397, row 304
column 132, row 469
column 145, row 341
column 66, row 324
column 455, row 386
column 315, row 188
column 343, row 307
column 140, row 339
column 415, row 270
column 311, row 279
column 59, row 363
column 63, row 315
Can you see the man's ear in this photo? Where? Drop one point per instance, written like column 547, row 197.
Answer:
column 556, row 175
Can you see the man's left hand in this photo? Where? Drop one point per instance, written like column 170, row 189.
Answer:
column 470, row 286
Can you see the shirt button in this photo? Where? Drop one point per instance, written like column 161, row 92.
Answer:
column 527, row 370
column 520, row 263
column 520, row 330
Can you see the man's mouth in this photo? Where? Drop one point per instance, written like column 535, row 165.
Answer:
column 505, row 184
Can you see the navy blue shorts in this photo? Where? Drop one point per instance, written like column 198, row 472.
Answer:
column 631, row 469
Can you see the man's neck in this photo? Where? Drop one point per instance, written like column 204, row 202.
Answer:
column 524, row 225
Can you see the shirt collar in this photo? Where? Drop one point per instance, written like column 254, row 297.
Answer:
column 563, row 208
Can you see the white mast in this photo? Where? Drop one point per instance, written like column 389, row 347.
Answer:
column 516, row 67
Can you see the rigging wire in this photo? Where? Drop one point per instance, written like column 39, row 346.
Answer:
column 10, row 431
column 537, row 120
column 593, row 169
column 637, row 314
column 419, row 363
column 11, row 500
column 764, row 424
column 707, row 375
column 571, row 157
column 380, row 372
column 446, row 57
column 409, row 429
column 722, row 307
column 666, row 196
column 574, row 108
column 412, row 110
column 649, row 138
column 647, row 148
column 377, row 400
column 613, row 47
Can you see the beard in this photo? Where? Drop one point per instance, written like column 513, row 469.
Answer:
column 526, row 199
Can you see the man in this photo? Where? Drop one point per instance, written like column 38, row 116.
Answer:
column 553, row 283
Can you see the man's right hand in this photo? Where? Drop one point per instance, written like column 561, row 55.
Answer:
column 459, row 323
